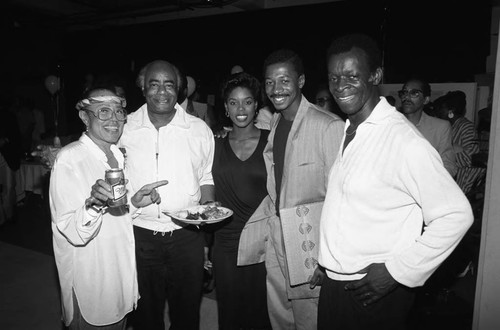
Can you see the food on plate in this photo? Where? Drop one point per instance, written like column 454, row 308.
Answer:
column 206, row 213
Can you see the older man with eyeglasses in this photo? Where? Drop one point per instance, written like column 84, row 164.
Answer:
column 415, row 96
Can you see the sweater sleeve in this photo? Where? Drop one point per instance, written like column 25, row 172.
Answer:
column 446, row 212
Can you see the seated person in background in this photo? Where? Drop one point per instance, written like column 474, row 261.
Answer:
column 324, row 100
column 94, row 245
column 415, row 95
column 451, row 107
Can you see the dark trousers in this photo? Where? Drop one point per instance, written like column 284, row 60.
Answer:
column 169, row 267
column 339, row 309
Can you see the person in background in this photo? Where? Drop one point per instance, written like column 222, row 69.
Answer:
column 264, row 114
column 192, row 106
column 236, row 69
column 415, row 95
column 94, row 245
column 324, row 100
column 301, row 148
column 386, row 184
column 38, row 133
column 10, row 161
column 452, row 107
column 391, row 100
column 23, row 108
column 162, row 141
column 240, row 185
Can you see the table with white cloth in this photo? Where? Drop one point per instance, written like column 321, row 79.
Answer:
column 31, row 177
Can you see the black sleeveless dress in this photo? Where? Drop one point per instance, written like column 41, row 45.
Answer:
column 240, row 186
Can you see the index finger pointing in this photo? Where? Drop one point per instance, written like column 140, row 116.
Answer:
column 157, row 184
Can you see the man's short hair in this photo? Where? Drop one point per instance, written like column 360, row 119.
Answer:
column 364, row 42
column 142, row 75
column 285, row 56
column 424, row 85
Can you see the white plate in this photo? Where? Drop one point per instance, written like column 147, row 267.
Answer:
column 182, row 214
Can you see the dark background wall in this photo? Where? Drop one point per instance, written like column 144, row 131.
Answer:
column 442, row 42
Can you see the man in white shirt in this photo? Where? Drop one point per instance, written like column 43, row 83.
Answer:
column 387, row 182
column 163, row 141
column 415, row 95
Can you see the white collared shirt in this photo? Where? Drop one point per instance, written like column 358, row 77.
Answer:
column 181, row 152
column 386, row 184
column 94, row 252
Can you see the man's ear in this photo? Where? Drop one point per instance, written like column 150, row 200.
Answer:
column 376, row 77
column 302, row 80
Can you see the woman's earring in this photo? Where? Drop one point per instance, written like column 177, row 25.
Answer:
column 451, row 114
column 227, row 113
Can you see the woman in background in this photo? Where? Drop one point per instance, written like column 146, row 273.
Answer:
column 240, row 185
column 452, row 107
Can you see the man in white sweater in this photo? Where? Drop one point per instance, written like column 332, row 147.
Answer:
column 386, row 184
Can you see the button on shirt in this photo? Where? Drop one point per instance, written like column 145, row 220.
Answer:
column 94, row 252
column 181, row 152
column 386, row 184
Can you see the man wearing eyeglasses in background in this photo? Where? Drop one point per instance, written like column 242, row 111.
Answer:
column 324, row 100
column 415, row 95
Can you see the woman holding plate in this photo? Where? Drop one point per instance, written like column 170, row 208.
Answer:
column 240, row 185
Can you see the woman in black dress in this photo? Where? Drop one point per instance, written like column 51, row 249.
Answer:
column 240, row 184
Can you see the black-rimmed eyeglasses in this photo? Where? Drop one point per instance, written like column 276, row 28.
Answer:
column 411, row 92
column 107, row 114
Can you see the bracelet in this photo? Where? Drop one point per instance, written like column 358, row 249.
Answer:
column 96, row 209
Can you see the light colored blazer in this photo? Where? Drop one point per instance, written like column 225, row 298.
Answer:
column 313, row 143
